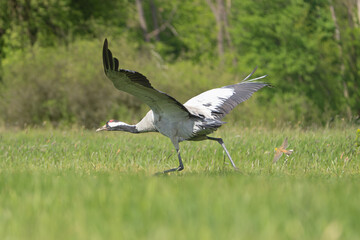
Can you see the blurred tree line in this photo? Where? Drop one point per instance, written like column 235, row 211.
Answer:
column 51, row 70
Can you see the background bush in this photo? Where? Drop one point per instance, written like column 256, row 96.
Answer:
column 65, row 86
column 51, row 65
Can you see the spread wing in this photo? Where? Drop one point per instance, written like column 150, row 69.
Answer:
column 277, row 155
column 285, row 144
column 138, row 85
column 220, row 101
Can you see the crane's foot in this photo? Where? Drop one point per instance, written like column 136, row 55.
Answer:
column 236, row 168
column 178, row 169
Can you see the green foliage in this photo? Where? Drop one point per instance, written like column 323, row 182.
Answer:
column 293, row 59
column 316, row 76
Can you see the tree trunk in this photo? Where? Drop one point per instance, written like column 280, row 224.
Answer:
column 352, row 49
column 341, row 56
column 220, row 13
column 220, row 18
column 142, row 19
column 358, row 11
column 154, row 18
column 226, row 27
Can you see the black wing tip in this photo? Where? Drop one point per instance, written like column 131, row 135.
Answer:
column 105, row 56
column 116, row 62
column 269, row 85
column 110, row 59
column 264, row 84
column 105, row 46
column 110, row 62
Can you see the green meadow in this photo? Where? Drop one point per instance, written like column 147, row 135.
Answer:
column 78, row 184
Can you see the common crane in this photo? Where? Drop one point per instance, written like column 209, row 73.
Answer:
column 192, row 121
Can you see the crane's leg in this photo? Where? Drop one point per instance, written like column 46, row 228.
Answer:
column 219, row 140
column 181, row 166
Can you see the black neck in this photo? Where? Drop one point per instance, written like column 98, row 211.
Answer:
column 125, row 128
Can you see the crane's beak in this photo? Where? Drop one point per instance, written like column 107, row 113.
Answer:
column 103, row 128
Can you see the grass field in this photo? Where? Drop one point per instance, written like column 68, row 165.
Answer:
column 78, row 184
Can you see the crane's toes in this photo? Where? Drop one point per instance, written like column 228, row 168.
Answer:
column 233, row 165
column 178, row 169
column 161, row 173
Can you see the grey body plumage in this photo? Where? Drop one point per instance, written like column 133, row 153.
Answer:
column 191, row 121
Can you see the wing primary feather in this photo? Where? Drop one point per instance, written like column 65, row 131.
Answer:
column 136, row 77
column 250, row 74
column 252, row 80
column 116, row 61
column 105, row 57
column 111, row 61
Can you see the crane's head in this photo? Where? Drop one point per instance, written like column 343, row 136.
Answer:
column 113, row 125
